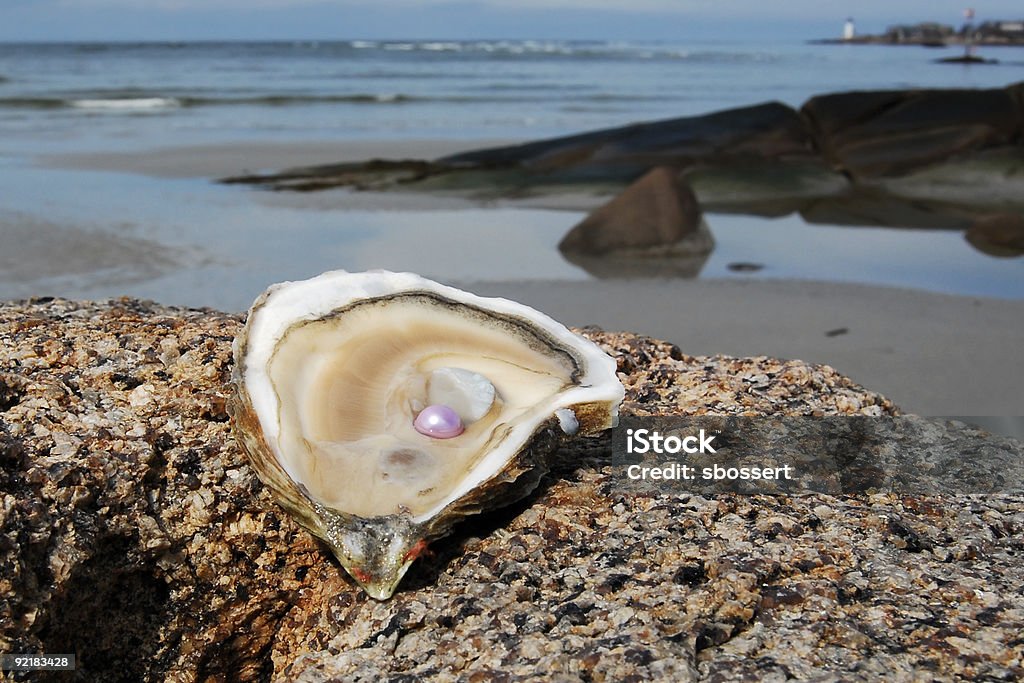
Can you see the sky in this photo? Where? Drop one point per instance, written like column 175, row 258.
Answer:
column 62, row 20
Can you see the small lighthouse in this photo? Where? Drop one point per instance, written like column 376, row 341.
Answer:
column 848, row 29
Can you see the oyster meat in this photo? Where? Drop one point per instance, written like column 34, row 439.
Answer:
column 381, row 408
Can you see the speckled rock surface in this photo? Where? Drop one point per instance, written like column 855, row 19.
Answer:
column 133, row 533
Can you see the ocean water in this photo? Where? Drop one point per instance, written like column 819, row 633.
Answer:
column 173, row 236
column 133, row 95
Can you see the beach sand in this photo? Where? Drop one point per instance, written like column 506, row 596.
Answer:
column 218, row 160
column 933, row 354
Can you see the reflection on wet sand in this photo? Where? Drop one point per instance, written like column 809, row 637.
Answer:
column 989, row 231
column 37, row 256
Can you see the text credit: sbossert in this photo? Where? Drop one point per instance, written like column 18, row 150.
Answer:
column 716, row 472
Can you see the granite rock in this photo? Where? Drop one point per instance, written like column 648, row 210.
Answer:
column 133, row 533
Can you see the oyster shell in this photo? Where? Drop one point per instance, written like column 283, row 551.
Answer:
column 331, row 375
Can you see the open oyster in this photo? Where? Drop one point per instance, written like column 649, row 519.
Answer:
column 380, row 408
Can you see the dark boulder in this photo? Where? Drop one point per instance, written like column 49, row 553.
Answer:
column 658, row 211
column 886, row 133
column 1016, row 92
column 1000, row 234
column 764, row 131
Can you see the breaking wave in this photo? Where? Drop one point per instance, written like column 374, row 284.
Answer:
column 163, row 102
column 157, row 103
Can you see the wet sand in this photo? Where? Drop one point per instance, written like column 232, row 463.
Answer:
column 218, row 160
column 932, row 354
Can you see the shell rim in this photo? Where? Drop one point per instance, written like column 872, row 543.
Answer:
column 286, row 304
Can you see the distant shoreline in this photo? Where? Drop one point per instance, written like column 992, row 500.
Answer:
column 998, row 33
column 957, row 41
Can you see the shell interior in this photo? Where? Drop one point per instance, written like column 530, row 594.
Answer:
column 349, row 387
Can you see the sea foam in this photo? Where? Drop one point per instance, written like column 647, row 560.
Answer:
column 147, row 103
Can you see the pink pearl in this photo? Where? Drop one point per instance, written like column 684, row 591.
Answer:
column 438, row 422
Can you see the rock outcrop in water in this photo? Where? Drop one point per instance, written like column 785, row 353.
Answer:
column 133, row 533
column 770, row 131
column 947, row 156
column 878, row 134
